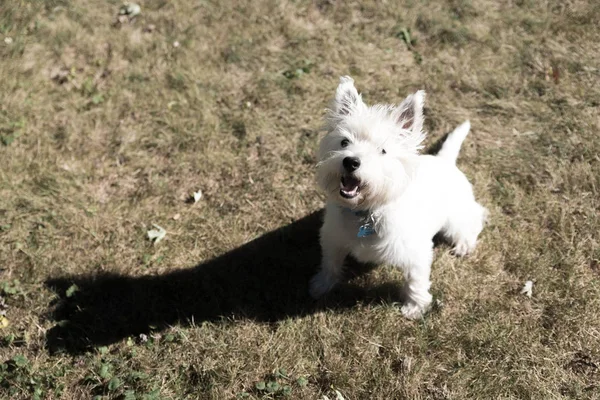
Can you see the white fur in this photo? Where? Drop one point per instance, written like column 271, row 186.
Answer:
column 411, row 197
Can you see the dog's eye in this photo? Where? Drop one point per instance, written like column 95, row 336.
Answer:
column 345, row 143
column 383, row 151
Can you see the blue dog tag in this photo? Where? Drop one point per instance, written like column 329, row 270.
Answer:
column 368, row 219
column 365, row 230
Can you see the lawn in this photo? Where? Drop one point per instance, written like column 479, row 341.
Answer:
column 109, row 124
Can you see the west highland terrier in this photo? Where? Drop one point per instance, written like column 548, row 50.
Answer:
column 385, row 201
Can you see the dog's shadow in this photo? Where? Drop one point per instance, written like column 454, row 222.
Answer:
column 265, row 280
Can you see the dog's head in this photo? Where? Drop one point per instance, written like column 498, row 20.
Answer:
column 360, row 163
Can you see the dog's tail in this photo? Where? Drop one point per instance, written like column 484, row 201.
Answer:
column 451, row 146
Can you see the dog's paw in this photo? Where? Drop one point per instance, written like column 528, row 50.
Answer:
column 463, row 248
column 412, row 310
column 320, row 284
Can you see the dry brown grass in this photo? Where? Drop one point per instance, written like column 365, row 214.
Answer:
column 107, row 129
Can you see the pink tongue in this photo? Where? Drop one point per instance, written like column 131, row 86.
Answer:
column 349, row 183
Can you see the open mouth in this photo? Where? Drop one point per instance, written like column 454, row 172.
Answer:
column 349, row 187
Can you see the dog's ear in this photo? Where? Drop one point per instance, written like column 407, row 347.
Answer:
column 347, row 98
column 409, row 114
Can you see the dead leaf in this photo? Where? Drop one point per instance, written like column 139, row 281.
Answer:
column 157, row 234
column 527, row 289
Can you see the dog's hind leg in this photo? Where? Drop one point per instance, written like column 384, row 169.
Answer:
column 464, row 226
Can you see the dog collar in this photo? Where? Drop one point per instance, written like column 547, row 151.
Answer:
column 367, row 228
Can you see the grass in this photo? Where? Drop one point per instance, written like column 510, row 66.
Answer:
column 107, row 128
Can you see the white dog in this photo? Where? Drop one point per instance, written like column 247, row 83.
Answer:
column 385, row 202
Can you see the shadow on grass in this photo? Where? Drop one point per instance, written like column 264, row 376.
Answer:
column 265, row 280
column 436, row 146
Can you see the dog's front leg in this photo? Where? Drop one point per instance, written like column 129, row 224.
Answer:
column 331, row 267
column 417, row 268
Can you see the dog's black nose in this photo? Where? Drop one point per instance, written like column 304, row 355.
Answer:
column 351, row 164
